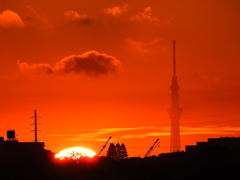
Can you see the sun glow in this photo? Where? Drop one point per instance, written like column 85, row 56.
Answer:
column 75, row 153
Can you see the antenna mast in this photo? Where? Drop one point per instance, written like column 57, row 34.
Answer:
column 174, row 58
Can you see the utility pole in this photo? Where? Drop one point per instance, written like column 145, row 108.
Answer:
column 35, row 126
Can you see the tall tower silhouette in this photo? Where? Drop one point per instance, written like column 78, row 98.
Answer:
column 174, row 111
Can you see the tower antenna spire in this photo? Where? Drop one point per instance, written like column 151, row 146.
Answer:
column 175, row 111
column 174, row 58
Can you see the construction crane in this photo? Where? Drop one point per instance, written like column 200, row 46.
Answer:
column 155, row 144
column 104, row 146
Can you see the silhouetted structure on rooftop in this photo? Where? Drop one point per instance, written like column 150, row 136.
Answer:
column 174, row 111
column 11, row 135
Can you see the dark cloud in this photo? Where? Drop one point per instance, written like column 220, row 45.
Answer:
column 204, row 78
column 79, row 18
column 91, row 63
column 33, row 19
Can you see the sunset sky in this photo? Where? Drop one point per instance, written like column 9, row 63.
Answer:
column 99, row 68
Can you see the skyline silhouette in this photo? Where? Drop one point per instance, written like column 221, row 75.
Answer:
column 205, row 160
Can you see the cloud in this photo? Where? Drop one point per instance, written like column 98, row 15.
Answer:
column 113, row 130
column 146, row 15
column 91, row 63
column 165, row 131
column 204, row 78
column 33, row 19
column 209, row 130
column 200, row 130
column 151, row 131
column 99, row 133
column 80, row 18
column 4, row 77
column 141, row 47
column 116, row 10
column 56, row 135
column 41, row 68
column 10, row 19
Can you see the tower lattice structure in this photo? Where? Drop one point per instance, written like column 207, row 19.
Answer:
column 175, row 111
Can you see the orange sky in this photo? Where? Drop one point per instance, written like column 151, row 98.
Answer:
column 94, row 69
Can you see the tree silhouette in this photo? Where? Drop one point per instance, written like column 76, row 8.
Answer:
column 117, row 152
column 111, row 153
column 123, row 151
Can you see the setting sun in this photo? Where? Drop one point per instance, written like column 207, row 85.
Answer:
column 75, row 153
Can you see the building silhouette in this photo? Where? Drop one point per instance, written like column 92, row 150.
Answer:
column 174, row 111
column 13, row 149
column 226, row 144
